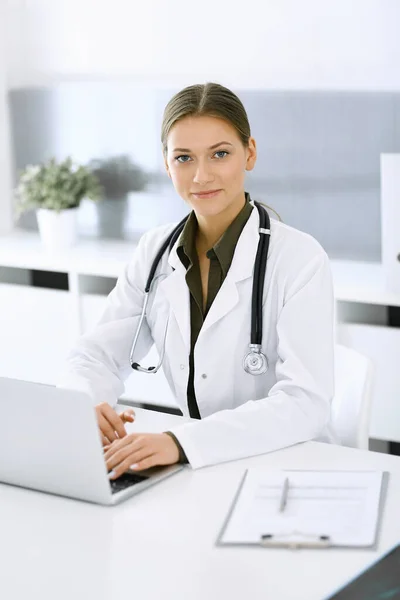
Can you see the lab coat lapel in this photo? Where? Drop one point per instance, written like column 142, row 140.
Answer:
column 241, row 268
column 177, row 293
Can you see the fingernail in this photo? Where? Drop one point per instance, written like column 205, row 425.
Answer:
column 135, row 466
column 111, row 474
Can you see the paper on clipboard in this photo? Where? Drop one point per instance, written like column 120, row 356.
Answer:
column 342, row 506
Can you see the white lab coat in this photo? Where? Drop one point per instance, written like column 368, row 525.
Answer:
column 242, row 414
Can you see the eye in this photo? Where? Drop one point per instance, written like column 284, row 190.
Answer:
column 183, row 158
column 221, row 154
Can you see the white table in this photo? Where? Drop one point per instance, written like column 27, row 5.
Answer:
column 161, row 544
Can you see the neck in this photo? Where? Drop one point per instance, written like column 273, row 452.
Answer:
column 210, row 229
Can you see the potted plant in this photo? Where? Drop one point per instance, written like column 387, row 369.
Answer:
column 118, row 176
column 55, row 190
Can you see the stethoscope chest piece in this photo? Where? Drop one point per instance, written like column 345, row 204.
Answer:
column 255, row 362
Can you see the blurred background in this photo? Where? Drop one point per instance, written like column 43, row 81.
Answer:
column 90, row 79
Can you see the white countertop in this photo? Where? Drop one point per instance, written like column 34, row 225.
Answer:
column 354, row 281
column 364, row 282
column 105, row 258
column 161, row 543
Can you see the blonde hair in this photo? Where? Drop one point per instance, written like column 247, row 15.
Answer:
column 211, row 99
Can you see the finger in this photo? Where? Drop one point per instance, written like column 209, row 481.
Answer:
column 134, row 439
column 146, row 463
column 104, row 439
column 118, row 451
column 125, row 459
column 106, row 428
column 127, row 417
column 127, row 464
column 118, row 457
column 114, row 420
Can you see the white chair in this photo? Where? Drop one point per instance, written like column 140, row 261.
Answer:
column 351, row 405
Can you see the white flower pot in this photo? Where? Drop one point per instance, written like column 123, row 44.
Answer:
column 58, row 230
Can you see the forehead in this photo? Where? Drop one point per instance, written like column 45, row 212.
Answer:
column 199, row 133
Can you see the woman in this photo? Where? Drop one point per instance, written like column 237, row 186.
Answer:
column 200, row 309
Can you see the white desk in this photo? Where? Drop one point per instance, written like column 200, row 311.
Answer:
column 160, row 544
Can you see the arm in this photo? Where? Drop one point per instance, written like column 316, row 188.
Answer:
column 99, row 362
column 297, row 407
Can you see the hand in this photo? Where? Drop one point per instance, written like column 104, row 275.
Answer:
column 140, row 451
column 111, row 424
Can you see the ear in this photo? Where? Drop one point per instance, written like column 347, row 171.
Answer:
column 251, row 154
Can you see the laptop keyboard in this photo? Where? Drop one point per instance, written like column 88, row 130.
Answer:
column 124, row 481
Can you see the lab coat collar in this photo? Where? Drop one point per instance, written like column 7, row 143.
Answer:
column 243, row 260
column 177, row 291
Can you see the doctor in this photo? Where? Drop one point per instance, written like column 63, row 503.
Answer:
column 201, row 309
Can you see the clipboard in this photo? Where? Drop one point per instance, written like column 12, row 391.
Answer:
column 367, row 487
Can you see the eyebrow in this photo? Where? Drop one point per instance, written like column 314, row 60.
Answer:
column 210, row 148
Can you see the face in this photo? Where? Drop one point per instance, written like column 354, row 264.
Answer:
column 207, row 161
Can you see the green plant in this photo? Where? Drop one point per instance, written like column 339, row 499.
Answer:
column 55, row 186
column 118, row 175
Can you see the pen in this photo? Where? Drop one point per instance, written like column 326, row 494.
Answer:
column 284, row 495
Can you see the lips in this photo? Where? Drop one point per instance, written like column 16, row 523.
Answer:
column 206, row 194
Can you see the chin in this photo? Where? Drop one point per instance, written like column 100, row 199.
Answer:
column 207, row 208
column 202, row 209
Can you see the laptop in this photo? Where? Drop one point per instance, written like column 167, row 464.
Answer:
column 50, row 442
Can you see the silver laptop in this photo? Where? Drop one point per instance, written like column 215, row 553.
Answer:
column 50, row 442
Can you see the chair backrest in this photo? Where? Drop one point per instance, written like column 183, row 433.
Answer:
column 351, row 405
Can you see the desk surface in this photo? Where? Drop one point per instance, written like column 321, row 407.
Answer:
column 161, row 543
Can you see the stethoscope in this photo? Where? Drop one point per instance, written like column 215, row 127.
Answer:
column 255, row 362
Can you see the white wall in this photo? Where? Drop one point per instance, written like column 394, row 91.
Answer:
column 5, row 171
column 335, row 44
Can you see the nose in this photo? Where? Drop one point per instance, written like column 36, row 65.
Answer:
column 203, row 173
